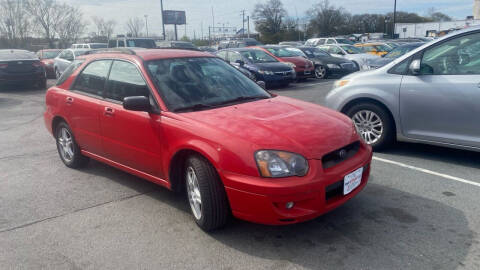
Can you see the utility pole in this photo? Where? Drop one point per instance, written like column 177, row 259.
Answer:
column 213, row 24
column 243, row 23
column 163, row 21
column 146, row 23
column 185, row 30
column 201, row 27
column 394, row 18
column 248, row 26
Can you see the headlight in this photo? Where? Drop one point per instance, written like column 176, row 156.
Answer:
column 292, row 65
column 334, row 66
column 275, row 164
column 265, row 72
column 340, row 83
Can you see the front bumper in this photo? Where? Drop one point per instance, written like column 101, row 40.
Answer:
column 305, row 73
column 263, row 200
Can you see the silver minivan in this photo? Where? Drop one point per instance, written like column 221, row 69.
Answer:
column 430, row 95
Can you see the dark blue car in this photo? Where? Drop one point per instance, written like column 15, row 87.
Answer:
column 263, row 66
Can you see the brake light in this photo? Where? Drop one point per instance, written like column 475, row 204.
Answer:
column 3, row 66
column 37, row 64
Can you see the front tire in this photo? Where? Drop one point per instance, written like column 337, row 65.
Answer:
column 68, row 148
column 320, row 72
column 206, row 194
column 374, row 124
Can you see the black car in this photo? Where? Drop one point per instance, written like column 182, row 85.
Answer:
column 263, row 66
column 394, row 54
column 325, row 64
column 19, row 66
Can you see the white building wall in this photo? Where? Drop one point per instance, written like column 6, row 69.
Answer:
column 412, row 30
column 476, row 9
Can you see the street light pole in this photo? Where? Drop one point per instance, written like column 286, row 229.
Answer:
column 163, row 21
column 394, row 18
column 146, row 23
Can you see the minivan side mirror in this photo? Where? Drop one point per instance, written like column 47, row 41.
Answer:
column 137, row 103
column 415, row 67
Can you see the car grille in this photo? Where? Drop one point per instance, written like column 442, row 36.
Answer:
column 283, row 73
column 347, row 65
column 333, row 158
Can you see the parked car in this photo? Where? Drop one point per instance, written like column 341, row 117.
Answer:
column 238, row 43
column 325, row 41
column 291, row 43
column 123, row 42
column 263, row 66
column 304, row 68
column 20, row 66
column 171, row 44
column 429, row 95
column 374, row 48
column 47, row 57
column 325, row 64
column 190, row 122
column 65, row 58
column 207, row 49
column 89, row 46
column 352, row 53
column 394, row 54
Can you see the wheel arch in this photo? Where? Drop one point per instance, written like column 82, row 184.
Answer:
column 55, row 121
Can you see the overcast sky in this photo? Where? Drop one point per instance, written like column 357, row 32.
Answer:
column 228, row 12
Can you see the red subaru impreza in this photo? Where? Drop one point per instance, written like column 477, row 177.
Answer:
column 191, row 122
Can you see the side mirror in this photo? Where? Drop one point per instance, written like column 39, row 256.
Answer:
column 415, row 67
column 262, row 84
column 137, row 103
column 240, row 62
column 341, row 53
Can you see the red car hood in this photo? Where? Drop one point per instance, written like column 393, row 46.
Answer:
column 281, row 123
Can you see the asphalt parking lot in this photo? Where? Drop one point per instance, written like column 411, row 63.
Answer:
column 420, row 210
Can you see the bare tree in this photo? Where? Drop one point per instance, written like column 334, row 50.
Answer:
column 269, row 17
column 47, row 14
column 70, row 26
column 99, row 24
column 14, row 22
column 135, row 26
column 109, row 28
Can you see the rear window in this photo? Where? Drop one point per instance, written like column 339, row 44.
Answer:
column 98, row 46
column 50, row 54
column 69, row 71
column 141, row 43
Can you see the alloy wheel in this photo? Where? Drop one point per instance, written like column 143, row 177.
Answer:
column 65, row 142
column 369, row 125
column 193, row 192
column 320, row 72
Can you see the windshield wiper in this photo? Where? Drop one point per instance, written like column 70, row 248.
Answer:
column 194, row 107
column 242, row 98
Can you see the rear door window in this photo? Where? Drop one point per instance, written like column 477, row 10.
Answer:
column 93, row 77
column 125, row 81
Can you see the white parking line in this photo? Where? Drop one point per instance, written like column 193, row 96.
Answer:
column 446, row 176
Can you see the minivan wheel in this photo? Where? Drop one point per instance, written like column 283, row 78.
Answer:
column 68, row 148
column 206, row 194
column 320, row 72
column 373, row 123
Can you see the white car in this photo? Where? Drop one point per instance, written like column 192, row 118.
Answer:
column 90, row 46
column 325, row 41
column 65, row 58
column 350, row 52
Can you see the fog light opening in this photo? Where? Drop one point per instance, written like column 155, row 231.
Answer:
column 289, row 205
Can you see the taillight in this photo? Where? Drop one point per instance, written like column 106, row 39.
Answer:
column 3, row 66
column 37, row 64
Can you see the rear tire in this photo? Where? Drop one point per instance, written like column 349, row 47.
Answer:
column 206, row 194
column 67, row 147
column 374, row 124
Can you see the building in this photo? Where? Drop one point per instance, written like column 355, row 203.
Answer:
column 432, row 29
column 476, row 9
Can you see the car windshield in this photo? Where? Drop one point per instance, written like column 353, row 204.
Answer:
column 281, row 52
column 315, row 52
column 258, row 56
column 141, row 43
column 188, row 84
column 50, row 54
column 297, row 52
column 382, row 48
column 98, row 46
column 352, row 49
column 344, row 41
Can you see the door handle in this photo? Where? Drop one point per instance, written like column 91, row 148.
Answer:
column 69, row 100
column 109, row 111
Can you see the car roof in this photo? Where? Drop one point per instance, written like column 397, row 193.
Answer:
column 147, row 54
